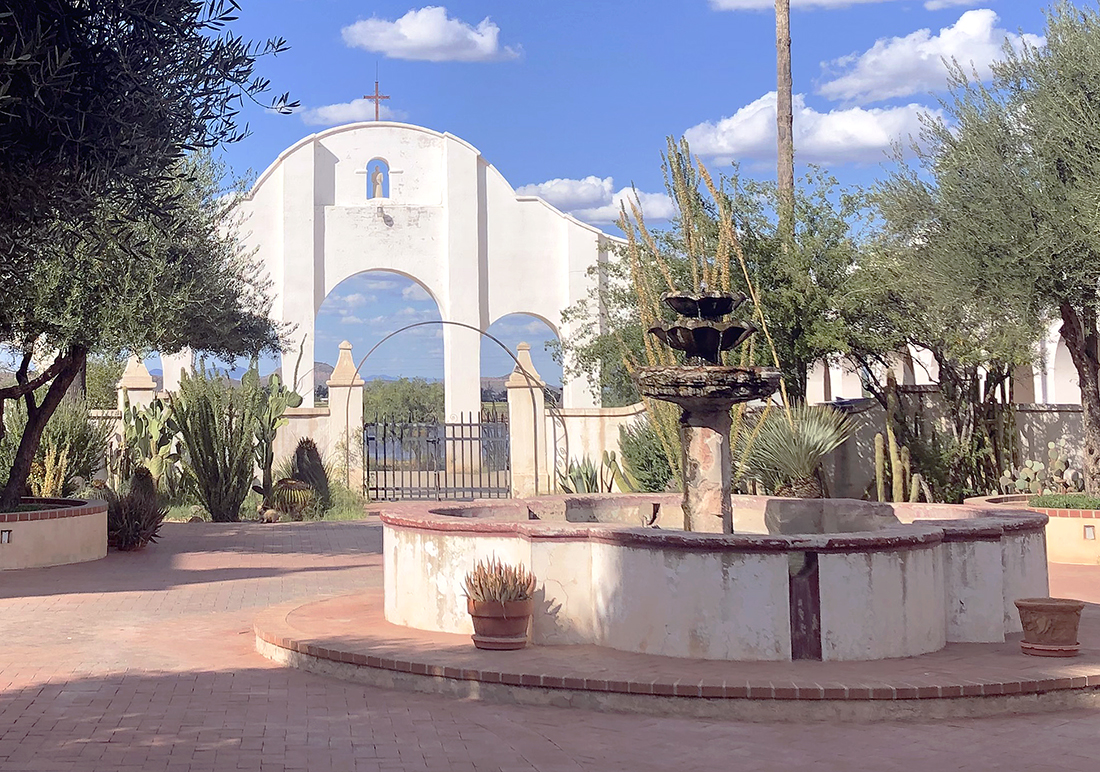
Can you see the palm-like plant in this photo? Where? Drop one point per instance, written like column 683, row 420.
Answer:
column 786, row 449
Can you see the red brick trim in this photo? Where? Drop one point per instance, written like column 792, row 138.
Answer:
column 64, row 508
column 272, row 627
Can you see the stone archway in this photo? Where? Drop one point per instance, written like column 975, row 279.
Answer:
column 447, row 219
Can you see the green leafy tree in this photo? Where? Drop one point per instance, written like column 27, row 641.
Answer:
column 107, row 242
column 98, row 104
column 406, row 399
column 1000, row 213
column 802, row 290
column 175, row 282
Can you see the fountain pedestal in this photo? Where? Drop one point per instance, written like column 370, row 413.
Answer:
column 705, row 395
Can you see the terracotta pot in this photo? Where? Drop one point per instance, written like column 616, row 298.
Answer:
column 1050, row 626
column 500, row 626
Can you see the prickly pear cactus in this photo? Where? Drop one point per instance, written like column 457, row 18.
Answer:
column 1037, row 478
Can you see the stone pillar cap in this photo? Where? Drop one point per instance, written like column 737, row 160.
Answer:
column 136, row 376
column 518, row 380
column 344, row 373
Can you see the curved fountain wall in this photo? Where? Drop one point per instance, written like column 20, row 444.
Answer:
column 944, row 573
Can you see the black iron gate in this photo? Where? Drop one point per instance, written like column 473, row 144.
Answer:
column 464, row 460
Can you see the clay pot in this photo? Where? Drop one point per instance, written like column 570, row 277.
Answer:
column 1050, row 626
column 500, row 626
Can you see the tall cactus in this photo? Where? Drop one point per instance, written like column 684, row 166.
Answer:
column 274, row 399
column 880, row 467
column 896, row 476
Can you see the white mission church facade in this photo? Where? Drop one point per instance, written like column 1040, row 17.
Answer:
column 427, row 205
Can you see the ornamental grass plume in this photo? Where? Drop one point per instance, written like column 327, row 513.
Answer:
column 493, row 580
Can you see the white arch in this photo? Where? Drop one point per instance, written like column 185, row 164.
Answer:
column 451, row 223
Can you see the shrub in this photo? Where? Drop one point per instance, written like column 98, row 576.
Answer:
column 1064, row 501
column 216, row 423
column 73, row 446
column 643, row 456
column 134, row 520
column 784, row 454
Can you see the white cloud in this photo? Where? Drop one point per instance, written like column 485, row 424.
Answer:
column 380, row 284
column 347, row 112
column 355, row 299
column 900, row 66
column 594, row 199
column 429, row 34
column 349, row 319
column 936, row 5
column 768, row 5
column 854, row 135
column 415, row 292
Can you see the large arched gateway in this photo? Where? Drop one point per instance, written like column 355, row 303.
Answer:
column 403, row 198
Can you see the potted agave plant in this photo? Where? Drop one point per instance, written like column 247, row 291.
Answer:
column 500, row 599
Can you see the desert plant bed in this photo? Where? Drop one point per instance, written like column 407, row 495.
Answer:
column 1065, row 501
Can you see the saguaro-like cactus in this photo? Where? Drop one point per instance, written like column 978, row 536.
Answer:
column 880, row 466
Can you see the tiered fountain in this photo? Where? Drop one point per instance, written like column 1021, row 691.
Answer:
column 705, row 390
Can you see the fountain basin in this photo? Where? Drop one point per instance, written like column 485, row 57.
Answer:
column 943, row 573
column 706, row 388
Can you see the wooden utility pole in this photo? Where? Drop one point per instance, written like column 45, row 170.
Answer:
column 784, row 118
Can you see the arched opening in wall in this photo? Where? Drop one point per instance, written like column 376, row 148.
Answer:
column 404, row 376
column 1066, row 388
column 496, row 366
column 378, row 178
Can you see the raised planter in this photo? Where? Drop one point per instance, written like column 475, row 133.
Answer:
column 500, row 626
column 1050, row 626
column 59, row 532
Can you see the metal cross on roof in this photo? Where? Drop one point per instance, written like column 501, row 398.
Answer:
column 377, row 98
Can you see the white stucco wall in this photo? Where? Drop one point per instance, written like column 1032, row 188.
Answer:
column 882, row 604
column 451, row 222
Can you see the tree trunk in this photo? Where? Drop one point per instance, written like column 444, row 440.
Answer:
column 784, row 122
column 37, row 417
column 1080, row 334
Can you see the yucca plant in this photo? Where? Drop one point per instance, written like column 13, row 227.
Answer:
column 787, row 449
column 494, row 580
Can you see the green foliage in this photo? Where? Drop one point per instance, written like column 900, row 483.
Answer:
column 274, row 398
column 181, row 280
column 585, row 477
column 993, row 232
column 643, row 456
column 1064, row 501
column 98, row 103
column 102, row 374
column 802, row 292
column 310, row 469
column 216, row 422
column 70, row 434
column 134, row 520
column 415, row 400
column 787, row 449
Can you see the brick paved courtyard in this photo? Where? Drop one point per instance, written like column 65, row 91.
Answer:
column 146, row 662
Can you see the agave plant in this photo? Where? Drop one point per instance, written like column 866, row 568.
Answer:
column 493, row 580
column 785, row 450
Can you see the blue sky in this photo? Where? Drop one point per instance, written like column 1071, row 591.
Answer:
column 573, row 101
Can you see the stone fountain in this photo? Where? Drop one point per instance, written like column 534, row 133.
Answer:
column 705, row 390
